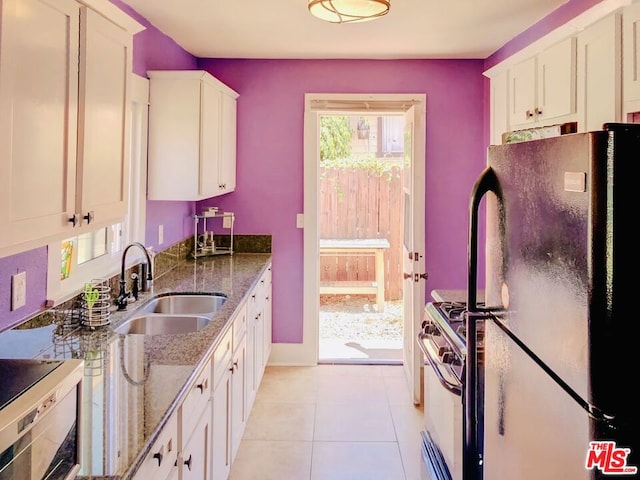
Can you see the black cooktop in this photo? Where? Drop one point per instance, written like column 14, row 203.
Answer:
column 18, row 375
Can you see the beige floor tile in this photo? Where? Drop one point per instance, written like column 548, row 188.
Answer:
column 351, row 389
column 392, row 370
column 281, row 421
column 289, row 371
column 354, row 422
column 356, row 461
column 408, row 421
column 411, row 458
column 288, row 387
column 398, row 390
column 272, row 460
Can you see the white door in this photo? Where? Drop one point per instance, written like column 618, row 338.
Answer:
column 413, row 248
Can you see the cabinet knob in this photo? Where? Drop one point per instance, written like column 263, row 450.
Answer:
column 187, row 462
column 538, row 111
column 89, row 217
column 202, row 386
column 529, row 114
column 73, row 220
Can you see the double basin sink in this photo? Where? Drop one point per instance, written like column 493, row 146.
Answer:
column 173, row 314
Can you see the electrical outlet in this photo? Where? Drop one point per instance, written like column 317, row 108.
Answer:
column 18, row 290
column 299, row 220
column 160, row 234
column 227, row 221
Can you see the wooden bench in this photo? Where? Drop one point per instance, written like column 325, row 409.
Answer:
column 352, row 248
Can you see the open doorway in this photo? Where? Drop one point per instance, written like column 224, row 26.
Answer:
column 360, row 227
column 413, row 108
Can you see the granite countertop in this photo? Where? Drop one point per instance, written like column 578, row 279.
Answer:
column 133, row 383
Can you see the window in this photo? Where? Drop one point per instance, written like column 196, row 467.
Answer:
column 391, row 137
column 96, row 254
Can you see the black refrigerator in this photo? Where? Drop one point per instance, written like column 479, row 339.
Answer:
column 560, row 352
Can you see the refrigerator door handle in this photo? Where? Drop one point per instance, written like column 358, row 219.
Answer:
column 593, row 411
column 471, row 455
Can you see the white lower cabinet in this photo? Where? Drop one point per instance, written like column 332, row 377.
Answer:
column 195, row 457
column 161, row 461
column 201, row 440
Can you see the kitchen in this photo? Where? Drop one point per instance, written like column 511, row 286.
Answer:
column 271, row 94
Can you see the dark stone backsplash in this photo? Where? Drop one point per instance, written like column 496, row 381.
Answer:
column 68, row 314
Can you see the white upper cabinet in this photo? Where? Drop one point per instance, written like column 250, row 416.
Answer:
column 542, row 89
column 192, row 136
column 631, row 58
column 599, row 74
column 38, row 112
column 103, row 121
column 499, row 110
column 64, row 80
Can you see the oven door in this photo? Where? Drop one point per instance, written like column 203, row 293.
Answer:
column 443, row 439
column 39, row 431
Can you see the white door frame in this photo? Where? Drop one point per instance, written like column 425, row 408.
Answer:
column 306, row 353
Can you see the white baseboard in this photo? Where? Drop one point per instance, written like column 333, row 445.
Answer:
column 292, row 354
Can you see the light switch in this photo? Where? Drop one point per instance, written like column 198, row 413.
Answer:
column 300, row 220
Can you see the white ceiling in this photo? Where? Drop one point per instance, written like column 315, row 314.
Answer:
column 285, row 28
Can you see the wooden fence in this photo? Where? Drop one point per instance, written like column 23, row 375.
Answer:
column 358, row 203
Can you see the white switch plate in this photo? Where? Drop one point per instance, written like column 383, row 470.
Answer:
column 227, row 221
column 299, row 220
column 160, row 234
column 18, row 290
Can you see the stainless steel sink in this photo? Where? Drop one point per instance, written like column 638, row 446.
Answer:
column 173, row 314
column 157, row 324
column 185, row 304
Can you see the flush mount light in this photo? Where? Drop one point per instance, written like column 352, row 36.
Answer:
column 348, row 11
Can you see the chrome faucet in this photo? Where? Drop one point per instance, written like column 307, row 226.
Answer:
column 123, row 295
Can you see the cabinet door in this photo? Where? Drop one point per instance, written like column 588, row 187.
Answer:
column 522, row 92
column 599, row 67
column 105, row 69
column 238, row 398
column 38, row 115
column 161, row 460
column 499, row 96
column 209, row 140
column 631, row 62
column 227, row 170
column 221, row 428
column 556, row 80
column 196, row 454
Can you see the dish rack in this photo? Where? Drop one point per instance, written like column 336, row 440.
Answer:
column 96, row 303
column 204, row 242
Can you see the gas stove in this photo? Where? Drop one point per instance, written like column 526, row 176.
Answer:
column 444, row 335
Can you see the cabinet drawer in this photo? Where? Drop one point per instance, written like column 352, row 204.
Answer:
column 163, row 454
column 222, row 356
column 239, row 327
column 196, row 400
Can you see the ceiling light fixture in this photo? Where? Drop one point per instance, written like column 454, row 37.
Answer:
column 349, row 11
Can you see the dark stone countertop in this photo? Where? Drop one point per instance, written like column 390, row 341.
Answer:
column 133, row 383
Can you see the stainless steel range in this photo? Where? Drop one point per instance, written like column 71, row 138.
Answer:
column 443, row 342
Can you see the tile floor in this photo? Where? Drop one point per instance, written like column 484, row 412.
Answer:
column 331, row 422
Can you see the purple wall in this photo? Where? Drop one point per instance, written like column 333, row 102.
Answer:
column 269, row 189
column 269, row 192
